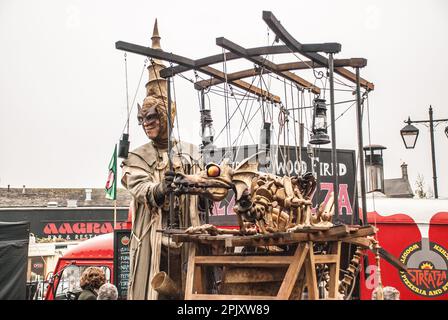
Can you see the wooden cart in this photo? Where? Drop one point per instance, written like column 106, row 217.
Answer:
column 299, row 266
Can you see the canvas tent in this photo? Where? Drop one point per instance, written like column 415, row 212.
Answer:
column 14, row 238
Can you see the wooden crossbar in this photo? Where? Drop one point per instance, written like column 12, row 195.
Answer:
column 240, row 261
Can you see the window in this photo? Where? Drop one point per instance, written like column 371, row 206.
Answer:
column 69, row 281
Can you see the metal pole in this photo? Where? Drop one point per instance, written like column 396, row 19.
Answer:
column 170, row 163
column 168, row 83
column 334, row 156
column 360, row 149
column 433, row 153
column 207, row 214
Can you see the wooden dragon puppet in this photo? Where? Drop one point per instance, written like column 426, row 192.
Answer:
column 264, row 203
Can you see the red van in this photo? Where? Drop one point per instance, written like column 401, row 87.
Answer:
column 97, row 251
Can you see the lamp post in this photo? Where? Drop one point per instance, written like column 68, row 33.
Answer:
column 410, row 134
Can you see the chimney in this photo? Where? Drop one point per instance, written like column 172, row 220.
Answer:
column 404, row 171
column 72, row 203
column 23, row 189
column 374, row 167
column 88, row 194
column 52, row 204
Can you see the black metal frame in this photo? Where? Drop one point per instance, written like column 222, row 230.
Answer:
column 233, row 47
column 254, row 54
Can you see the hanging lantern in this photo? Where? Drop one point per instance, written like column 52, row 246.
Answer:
column 123, row 147
column 207, row 131
column 319, row 135
column 409, row 134
column 264, row 146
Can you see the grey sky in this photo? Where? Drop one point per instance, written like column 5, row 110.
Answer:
column 62, row 84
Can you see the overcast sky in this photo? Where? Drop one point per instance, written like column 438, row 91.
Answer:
column 63, row 88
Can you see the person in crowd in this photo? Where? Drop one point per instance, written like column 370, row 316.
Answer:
column 91, row 280
column 107, row 292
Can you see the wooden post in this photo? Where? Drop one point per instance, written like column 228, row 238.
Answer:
column 311, row 281
column 334, row 270
column 190, row 271
column 115, row 214
column 193, row 283
column 293, row 272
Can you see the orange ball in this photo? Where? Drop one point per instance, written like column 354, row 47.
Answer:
column 213, row 171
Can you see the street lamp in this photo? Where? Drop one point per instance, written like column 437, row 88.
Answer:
column 320, row 135
column 410, row 133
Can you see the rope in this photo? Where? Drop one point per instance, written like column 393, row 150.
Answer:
column 226, row 98
column 179, row 148
column 241, row 125
column 370, row 143
column 285, row 121
column 228, row 120
column 295, row 135
column 135, row 95
column 127, row 91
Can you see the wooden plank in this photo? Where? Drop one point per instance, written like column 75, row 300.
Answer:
column 285, row 36
column 338, row 230
column 352, row 77
column 288, row 66
column 317, row 234
column 299, row 237
column 241, row 261
column 311, row 229
column 329, row 235
column 198, row 284
column 334, row 270
column 326, row 258
column 362, row 242
column 293, row 272
column 247, row 275
column 274, row 239
column 310, row 269
column 241, row 84
column 230, row 297
column 190, row 272
column 233, row 47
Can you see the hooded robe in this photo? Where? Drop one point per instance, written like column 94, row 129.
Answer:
column 142, row 171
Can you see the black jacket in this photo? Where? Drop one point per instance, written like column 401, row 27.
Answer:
column 87, row 294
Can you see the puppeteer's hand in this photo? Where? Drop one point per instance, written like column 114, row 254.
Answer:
column 164, row 187
column 168, row 181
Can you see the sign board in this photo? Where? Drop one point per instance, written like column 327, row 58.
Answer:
column 122, row 240
column 415, row 232
column 69, row 224
column 41, row 249
column 286, row 160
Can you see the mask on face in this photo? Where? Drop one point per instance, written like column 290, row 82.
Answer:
column 153, row 117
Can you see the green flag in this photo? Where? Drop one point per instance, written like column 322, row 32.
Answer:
column 111, row 184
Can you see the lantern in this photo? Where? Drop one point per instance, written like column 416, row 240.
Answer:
column 319, row 135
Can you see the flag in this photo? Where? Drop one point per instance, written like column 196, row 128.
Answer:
column 111, row 184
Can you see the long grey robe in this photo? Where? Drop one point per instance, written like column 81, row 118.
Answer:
column 142, row 171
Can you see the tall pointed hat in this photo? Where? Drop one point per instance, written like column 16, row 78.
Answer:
column 156, row 86
column 156, row 92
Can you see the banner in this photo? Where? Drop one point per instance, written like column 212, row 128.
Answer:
column 286, row 160
column 111, row 184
